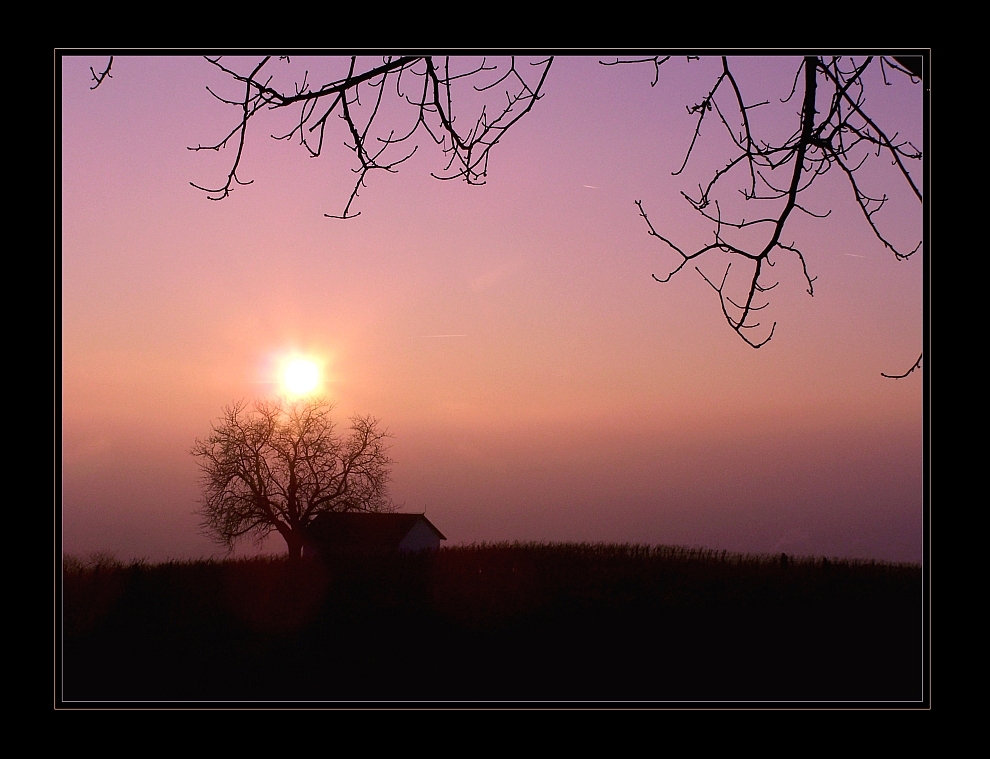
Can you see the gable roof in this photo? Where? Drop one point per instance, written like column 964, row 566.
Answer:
column 365, row 530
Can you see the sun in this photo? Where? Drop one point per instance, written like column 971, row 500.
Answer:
column 301, row 376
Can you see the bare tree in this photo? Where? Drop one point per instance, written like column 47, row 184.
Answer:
column 418, row 92
column 833, row 130
column 277, row 465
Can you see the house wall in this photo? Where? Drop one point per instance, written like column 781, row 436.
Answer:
column 420, row 538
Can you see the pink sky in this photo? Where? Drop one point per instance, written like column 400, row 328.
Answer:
column 579, row 401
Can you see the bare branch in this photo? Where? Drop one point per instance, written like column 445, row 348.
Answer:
column 98, row 78
column 655, row 60
column 466, row 153
column 842, row 135
column 916, row 365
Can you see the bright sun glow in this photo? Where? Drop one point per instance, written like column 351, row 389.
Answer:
column 301, row 376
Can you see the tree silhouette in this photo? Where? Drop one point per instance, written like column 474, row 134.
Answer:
column 277, row 465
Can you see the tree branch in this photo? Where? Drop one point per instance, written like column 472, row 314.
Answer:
column 836, row 137
column 466, row 152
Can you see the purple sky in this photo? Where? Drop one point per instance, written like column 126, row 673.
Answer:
column 580, row 400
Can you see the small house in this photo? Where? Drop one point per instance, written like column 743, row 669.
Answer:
column 361, row 531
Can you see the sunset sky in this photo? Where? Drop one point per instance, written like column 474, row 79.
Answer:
column 540, row 385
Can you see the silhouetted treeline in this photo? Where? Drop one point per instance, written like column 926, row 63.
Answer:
column 495, row 623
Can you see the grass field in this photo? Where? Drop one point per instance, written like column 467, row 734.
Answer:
column 521, row 623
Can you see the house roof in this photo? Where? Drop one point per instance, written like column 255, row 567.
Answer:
column 362, row 529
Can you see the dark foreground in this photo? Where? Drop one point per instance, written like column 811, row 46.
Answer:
column 565, row 623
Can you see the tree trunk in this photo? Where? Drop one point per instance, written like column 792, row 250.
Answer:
column 294, row 542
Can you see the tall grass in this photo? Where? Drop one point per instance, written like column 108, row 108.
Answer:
column 516, row 621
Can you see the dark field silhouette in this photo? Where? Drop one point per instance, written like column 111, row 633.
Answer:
column 561, row 623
